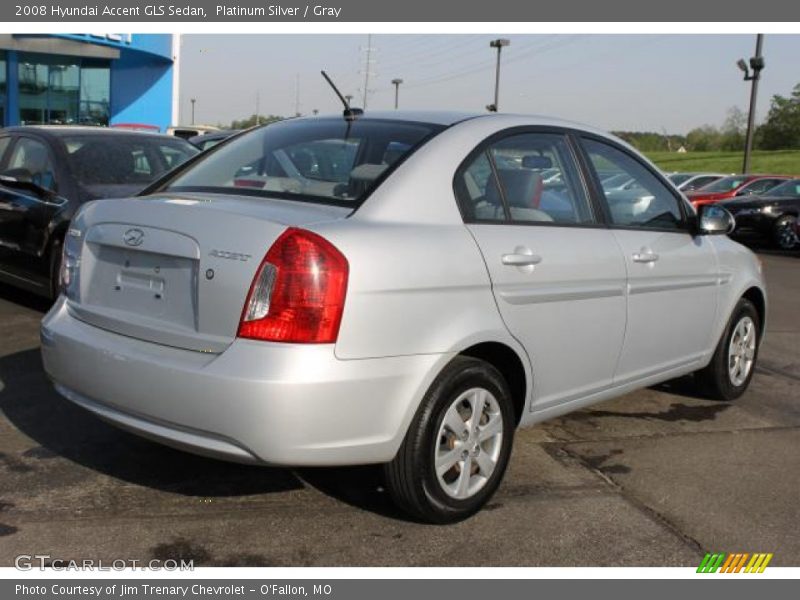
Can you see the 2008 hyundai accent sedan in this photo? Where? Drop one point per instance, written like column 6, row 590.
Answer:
column 398, row 288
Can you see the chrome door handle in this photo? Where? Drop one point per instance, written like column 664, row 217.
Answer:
column 645, row 256
column 521, row 260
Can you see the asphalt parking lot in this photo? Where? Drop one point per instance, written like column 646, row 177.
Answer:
column 655, row 478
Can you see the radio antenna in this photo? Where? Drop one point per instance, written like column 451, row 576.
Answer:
column 350, row 114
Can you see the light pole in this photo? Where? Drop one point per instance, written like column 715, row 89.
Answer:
column 757, row 65
column 192, row 101
column 498, row 43
column 396, row 83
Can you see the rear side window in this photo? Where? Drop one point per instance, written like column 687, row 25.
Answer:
column 31, row 159
column 759, row 186
column 524, row 178
column 320, row 160
column 643, row 201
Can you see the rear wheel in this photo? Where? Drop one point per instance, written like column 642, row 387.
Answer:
column 457, row 448
column 729, row 373
column 784, row 234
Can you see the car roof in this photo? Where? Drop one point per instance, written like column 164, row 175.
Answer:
column 449, row 118
column 59, row 131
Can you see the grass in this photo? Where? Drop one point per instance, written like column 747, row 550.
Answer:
column 778, row 162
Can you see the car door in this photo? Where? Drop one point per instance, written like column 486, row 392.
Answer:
column 672, row 275
column 30, row 212
column 7, row 196
column 557, row 273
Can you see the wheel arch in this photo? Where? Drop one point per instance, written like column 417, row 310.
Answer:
column 511, row 366
column 755, row 295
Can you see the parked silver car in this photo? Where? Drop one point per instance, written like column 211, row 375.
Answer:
column 399, row 288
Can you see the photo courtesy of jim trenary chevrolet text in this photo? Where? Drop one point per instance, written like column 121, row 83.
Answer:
column 353, row 299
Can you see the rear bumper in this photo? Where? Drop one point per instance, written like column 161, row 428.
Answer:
column 258, row 402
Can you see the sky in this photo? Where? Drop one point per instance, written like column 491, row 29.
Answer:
column 669, row 83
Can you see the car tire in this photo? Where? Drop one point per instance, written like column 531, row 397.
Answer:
column 471, row 462
column 731, row 368
column 55, row 258
column 783, row 232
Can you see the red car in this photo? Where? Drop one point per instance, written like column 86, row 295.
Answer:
column 734, row 186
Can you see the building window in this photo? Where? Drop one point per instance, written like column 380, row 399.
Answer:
column 60, row 90
column 95, row 91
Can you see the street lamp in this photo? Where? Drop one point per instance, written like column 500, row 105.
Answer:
column 757, row 65
column 192, row 101
column 498, row 43
column 396, row 83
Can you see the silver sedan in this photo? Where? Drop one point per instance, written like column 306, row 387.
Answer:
column 397, row 288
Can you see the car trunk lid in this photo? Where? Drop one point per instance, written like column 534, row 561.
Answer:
column 176, row 269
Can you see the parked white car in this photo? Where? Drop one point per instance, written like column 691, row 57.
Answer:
column 406, row 290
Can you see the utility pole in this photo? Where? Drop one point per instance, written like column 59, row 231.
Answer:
column 396, row 83
column 258, row 107
column 499, row 44
column 757, row 65
column 367, row 68
column 192, row 101
column 297, row 95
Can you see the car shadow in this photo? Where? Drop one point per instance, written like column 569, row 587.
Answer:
column 61, row 429
column 24, row 298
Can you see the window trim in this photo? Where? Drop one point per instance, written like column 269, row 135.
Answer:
column 598, row 218
column 687, row 220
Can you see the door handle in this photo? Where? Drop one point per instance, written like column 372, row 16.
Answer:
column 645, row 256
column 521, row 260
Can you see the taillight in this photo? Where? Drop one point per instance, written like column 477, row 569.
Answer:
column 298, row 292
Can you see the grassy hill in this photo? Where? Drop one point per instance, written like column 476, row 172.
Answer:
column 783, row 162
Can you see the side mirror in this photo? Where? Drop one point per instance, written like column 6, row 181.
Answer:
column 715, row 220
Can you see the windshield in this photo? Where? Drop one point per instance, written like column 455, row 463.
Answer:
column 321, row 160
column 679, row 178
column 788, row 188
column 108, row 159
column 726, row 184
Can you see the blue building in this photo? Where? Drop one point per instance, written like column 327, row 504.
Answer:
column 89, row 79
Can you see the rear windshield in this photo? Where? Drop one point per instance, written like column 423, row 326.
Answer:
column 679, row 178
column 788, row 188
column 726, row 184
column 320, row 160
column 110, row 159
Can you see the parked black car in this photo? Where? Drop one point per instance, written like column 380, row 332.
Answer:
column 47, row 172
column 771, row 216
column 209, row 140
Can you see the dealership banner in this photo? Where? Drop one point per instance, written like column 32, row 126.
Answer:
column 133, row 11
column 388, row 589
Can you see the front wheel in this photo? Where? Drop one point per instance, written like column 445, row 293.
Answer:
column 457, row 448
column 729, row 373
column 784, row 233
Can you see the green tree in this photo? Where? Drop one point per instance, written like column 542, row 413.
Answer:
column 782, row 128
column 253, row 120
column 733, row 130
column 704, row 139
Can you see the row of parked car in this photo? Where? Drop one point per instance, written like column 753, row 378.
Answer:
column 765, row 206
column 47, row 172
